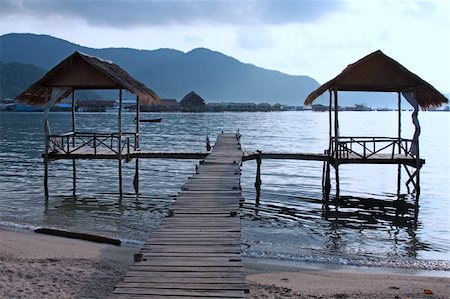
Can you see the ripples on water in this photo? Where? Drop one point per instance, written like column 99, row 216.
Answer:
column 369, row 225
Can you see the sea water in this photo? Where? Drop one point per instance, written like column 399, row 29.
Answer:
column 371, row 225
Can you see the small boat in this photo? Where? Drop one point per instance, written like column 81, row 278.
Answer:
column 154, row 120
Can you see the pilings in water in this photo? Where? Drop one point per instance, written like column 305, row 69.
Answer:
column 329, row 161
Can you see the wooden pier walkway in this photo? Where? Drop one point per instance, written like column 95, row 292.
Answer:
column 195, row 252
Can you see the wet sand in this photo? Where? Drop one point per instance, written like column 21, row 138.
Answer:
column 41, row 266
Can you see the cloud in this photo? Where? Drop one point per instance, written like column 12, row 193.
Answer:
column 174, row 12
column 254, row 38
column 192, row 39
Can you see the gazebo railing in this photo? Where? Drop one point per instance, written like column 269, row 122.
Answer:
column 369, row 147
column 92, row 143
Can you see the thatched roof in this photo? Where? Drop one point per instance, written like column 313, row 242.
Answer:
column 192, row 99
column 378, row 72
column 81, row 71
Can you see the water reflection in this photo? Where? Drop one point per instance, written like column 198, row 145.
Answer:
column 370, row 213
column 384, row 227
column 126, row 216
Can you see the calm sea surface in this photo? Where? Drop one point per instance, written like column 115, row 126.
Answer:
column 370, row 226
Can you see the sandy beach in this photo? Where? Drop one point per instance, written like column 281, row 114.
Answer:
column 41, row 266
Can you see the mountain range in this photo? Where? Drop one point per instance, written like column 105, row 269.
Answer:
column 171, row 73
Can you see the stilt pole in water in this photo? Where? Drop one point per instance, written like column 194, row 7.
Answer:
column 119, row 152
column 73, row 117
column 74, row 176
column 208, row 145
column 326, row 184
column 46, row 176
column 399, row 169
column 336, row 141
column 46, row 156
column 136, row 177
column 418, row 168
column 137, row 146
column 258, row 177
column 74, row 168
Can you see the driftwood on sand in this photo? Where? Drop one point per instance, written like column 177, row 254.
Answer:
column 81, row 236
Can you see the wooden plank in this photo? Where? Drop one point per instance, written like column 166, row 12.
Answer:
column 203, row 234
column 197, row 230
column 187, row 255
column 209, row 262
column 187, row 274
column 205, row 219
column 191, row 248
column 197, row 224
column 207, row 211
column 192, row 242
column 190, row 239
column 202, row 269
column 183, row 293
column 194, row 259
column 193, row 280
column 181, row 284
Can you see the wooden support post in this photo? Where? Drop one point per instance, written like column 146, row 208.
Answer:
column 336, row 141
column 74, row 167
column 119, row 152
column 138, row 116
column 418, row 168
column 327, row 180
column 46, row 136
column 399, row 169
column 208, row 144
column 330, row 126
column 137, row 146
column 258, row 177
column 136, row 178
column 46, row 175
column 326, row 185
column 399, row 104
column 74, row 177
column 120, row 177
column 418, row 163
column 73, row 118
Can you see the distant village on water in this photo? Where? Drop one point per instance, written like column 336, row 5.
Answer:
column 192, row 102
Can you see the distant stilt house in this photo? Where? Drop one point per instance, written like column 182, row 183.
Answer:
column 192, row 102
column 83, row 72
column 379, row 73
column 94, row 105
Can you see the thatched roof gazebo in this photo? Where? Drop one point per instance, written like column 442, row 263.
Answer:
column 379, row 73
column 81, row 72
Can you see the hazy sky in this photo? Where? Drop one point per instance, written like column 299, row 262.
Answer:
column 314, row 38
